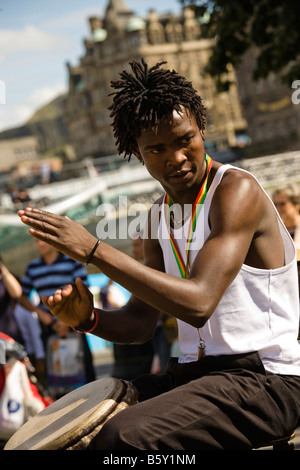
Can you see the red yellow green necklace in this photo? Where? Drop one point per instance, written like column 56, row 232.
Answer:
column 197, row 206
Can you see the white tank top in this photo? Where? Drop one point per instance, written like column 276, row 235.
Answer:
column 259, row 311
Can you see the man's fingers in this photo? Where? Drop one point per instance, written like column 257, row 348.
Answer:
column 46, row 237
column 82, row 290
column 62, row 292
column 67, row 290
column 58, row 296
column 39, row 224
column 33, row 217
column 47, row 301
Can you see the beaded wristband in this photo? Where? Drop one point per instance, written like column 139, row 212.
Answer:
column 92, row 252
column 93, row 327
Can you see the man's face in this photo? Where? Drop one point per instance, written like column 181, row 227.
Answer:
column 44, row 248
column 173, row 155
column 287, row 210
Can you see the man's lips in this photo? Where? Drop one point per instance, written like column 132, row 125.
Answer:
column 179, row 174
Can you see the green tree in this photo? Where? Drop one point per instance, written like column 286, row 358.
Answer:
column 270, row 26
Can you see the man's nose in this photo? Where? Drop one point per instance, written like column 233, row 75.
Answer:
column 176, row 157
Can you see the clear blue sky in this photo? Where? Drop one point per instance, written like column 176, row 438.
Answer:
column 37, row 38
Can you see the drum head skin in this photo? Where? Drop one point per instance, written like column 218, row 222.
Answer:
column 72, row 421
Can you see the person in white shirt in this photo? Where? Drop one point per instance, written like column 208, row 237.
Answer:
column 217, row 258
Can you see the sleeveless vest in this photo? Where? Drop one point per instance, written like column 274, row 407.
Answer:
column 259, row 311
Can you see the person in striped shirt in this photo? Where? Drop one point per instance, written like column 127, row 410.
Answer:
column 47, row 273
column 44, row 275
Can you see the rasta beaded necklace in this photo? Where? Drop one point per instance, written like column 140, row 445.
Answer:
column 197, row 206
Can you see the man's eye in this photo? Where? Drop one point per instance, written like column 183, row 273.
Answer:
column 186, row 140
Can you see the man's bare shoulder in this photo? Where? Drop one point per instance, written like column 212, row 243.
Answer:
column 239, row 200
column 238, row 174
column 240, row 182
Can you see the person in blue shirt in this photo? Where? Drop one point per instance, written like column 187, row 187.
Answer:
column 44, row 275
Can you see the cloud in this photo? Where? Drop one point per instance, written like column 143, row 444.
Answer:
column 29, row 38
column 14, row 115
column 73, row 18
column 33, row 59
column 43, row 95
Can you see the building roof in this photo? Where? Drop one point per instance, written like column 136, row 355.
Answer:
column 135, row 24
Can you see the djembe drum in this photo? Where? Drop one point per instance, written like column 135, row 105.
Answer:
column 72, row 422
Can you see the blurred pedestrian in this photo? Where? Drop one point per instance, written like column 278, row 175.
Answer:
column 69, row 364
column 19, row 323
column 10, row 291
column 21, row 198
column 32, row 337
column 287, row 201
column 44, row 275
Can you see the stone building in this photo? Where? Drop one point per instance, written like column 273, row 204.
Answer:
column 273, row 118
column 121, row 36
column 18, row 151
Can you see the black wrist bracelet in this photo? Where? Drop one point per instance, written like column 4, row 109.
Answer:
column 92, row 253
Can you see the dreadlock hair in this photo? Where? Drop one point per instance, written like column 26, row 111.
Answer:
column 145, row 97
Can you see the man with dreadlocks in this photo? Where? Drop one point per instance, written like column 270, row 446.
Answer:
column 226, row 270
